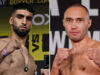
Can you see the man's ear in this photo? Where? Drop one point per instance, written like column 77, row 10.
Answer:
column 63, row 22
column 11, row 20
column 89, row 23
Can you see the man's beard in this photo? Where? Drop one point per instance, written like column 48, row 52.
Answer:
column 21, row 33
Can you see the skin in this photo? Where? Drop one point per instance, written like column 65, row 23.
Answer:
column 18, row 56
column 45, row 71
column 76, row 22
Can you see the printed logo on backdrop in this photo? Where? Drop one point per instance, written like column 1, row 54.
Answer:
column 2, row 2
column 54, row 8
column 43, row 19
column 29, row 1
column 39, row 45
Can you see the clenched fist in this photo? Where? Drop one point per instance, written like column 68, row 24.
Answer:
column 94, row 54
column 12, row 45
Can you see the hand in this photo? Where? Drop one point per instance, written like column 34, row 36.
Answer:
column 45, row 71
column 91, row 53
column 12, row 45
column 62, row 53
column 94, row 54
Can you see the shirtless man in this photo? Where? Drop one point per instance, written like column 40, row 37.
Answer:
column 14, row 56
column 84, row 58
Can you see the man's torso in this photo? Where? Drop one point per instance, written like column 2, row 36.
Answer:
column 78, row 63
column 14, row 64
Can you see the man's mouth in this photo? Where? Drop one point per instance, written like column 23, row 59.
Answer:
column 74, row 33
column 23, row 27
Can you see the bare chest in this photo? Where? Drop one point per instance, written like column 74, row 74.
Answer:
column 79, row 65
column 14, row 59
column 15, row 63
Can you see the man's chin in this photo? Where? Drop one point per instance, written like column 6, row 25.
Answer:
column 22, row 33
column 75, row 39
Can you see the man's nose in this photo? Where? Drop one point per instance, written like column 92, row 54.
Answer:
column 24, row 21
column 74, row 24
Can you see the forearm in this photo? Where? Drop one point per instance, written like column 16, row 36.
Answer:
column 97, row 61
column 97, row 58
column 3, row 53
column 45, row 71
column 10, row 47
column 54, row 70
column 1, row 56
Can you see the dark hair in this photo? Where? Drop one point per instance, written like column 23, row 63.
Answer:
column 79, row 5
column 25, row 6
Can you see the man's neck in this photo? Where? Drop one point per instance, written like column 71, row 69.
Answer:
column 22, row 40
column 82, row 43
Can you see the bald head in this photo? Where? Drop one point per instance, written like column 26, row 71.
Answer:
column 79, row 6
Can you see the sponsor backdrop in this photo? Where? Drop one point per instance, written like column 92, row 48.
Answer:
column 58, row 38
column 38, row 38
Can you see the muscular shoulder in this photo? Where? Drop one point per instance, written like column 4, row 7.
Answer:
column 96, row 44
column 4, row 40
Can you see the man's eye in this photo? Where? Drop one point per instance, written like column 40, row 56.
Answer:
column 80, row 19
column 20, row 16
column 68, row 20
column 29, row 18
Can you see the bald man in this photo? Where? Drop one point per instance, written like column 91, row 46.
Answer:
column 84, row 57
